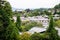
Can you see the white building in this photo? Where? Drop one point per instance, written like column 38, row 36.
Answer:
column 56, row 16
column 37, row 30
column 40, row 30
column 43, row 20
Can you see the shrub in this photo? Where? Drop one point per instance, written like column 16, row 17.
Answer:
column 25, row 36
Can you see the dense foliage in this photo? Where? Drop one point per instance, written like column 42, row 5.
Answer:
column 57, row 23
column 51, row 31
column 8, row 30
column 18, row 22
column 27, row 25
column 25, row 36
column 57, row 6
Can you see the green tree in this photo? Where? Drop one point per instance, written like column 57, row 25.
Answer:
column 35, row 36
column 39, row 36
column 18, row 22
column 7, row 29
column 39, row 24
column 25, row 36
column 12, row 32
column 57, row 23
column 28, row 25
column 51, row 31
column 57, row 6
column 46, row 13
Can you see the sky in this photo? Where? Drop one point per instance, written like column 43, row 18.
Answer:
column 32, row 4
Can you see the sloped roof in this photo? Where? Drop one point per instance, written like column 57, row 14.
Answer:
column 36, row 29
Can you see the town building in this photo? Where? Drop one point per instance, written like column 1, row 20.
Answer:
column 43, row 20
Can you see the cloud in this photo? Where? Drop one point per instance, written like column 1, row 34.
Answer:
column 33, row 3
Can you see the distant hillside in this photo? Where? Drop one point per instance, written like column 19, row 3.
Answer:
column 57, row 6
column 39, row 9
column 14, row 9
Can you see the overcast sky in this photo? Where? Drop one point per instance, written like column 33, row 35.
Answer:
column 33, row 3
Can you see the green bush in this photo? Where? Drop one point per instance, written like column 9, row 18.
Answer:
column 28, row 25
column 38, row 36
column 25, row 36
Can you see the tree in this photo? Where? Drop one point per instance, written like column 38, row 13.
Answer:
column 51, row 31
column 57, row 23
column 27, row 25
column 27, row 10
column 18, row 22
column 35, row 13
column 35, row 36
column 25, row 36
column 39, row 36
column 47, row 13
column 39, row 24
column 12, row 32
column 57, row 6
column 7, row 29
